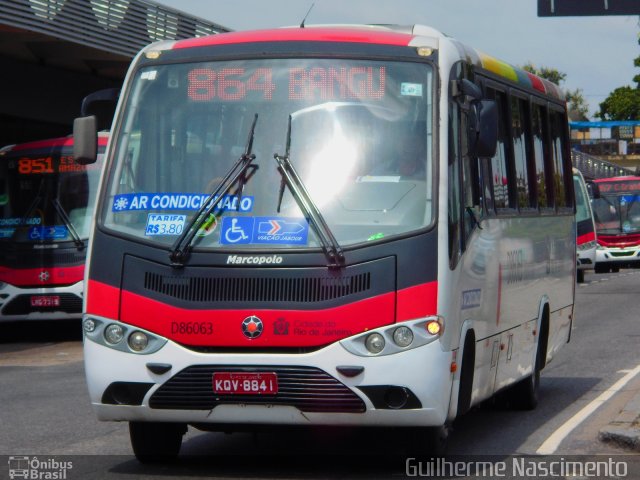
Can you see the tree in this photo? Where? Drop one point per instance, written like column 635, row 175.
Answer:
column 624, row 102
column 621, row 104
column 551, row 74
column 576, row 104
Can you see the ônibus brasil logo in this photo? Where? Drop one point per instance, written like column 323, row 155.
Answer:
column 255, row 260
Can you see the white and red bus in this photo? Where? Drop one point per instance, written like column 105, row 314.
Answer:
column 616, row 209
column 585, row 226
column 362, row 226
column 46, row 210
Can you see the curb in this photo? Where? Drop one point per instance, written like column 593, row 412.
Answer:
column 625, row 429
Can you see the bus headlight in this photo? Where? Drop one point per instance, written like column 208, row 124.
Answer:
column 138, row 341
column 395, row 338
column 403, row 336
column 375, row 343
column 113, row 334
column 89, row 325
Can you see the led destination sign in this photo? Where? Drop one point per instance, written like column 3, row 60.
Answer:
column 615, row 187
column 48, row 165
column 315, row 83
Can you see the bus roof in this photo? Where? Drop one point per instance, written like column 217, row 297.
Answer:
column 395, row 35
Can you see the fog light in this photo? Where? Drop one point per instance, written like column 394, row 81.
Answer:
column 433, row 327
column 403, row 336
column 138, row 341
column 114, row 334
column 88, row 325
column 374, row 343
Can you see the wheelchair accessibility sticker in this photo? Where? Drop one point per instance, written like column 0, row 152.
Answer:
column 48, row 233
column 269, row 230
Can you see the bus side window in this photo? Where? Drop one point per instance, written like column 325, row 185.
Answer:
column 524, row 165
column 541, row 154
column 500, row 162
column 558, row 156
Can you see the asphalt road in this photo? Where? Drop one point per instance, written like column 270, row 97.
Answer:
column 45, row 411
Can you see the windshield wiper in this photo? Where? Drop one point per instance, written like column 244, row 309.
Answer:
column 32, row 206
column 290, row 178
column 67, row 221
column 180, row 249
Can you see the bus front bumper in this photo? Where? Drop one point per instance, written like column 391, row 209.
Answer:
column 410, row 388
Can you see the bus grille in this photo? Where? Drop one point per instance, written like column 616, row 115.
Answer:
column 257, row 289
column 622, row 254
column 307, row 388
column 21, row 305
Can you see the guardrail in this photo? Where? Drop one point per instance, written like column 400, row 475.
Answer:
column 593, row 167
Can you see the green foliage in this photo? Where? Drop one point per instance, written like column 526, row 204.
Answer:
column 624, row 102
column 621, row 104
column 551, row 74
column 577, row 106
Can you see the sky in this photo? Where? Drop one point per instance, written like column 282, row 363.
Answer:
column 596, row 53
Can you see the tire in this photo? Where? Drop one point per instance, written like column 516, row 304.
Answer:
column 580, row 276
column 601, row 269
column 156, row 442
column 615, row 269
column 524, row 394
column 466, row 376
column 427, row 441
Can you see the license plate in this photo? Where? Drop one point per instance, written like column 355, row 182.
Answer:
column 245, row 383
column 45, row 301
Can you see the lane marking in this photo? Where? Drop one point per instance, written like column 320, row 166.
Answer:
column 552, row 443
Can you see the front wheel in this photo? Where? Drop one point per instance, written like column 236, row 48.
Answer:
column 156, row 442
column 601, row 269
column 427, row 441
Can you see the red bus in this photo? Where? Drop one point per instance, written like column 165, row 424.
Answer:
column 616, row 209
column 46, row 210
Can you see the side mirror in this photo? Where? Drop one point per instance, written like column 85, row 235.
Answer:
column 102, row 104
column 487, row 119
column 85, row 140
column 482, row 128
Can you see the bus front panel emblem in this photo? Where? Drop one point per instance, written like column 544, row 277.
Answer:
column 252, row 327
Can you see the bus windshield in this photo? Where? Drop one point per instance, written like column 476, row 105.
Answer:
column 583, row 211
column 617, row 214
column 45, row 197
column 360, row 139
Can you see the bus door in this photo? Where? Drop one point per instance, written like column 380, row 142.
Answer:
column 472, row 253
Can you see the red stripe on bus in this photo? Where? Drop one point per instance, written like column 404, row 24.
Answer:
column 45, row 276
column 587, row 237
column 629, row 240
column 53, row 142
column 418, row 301
column 536, row 83
column 102, row 299
column 345, row 35
column 280, row 328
